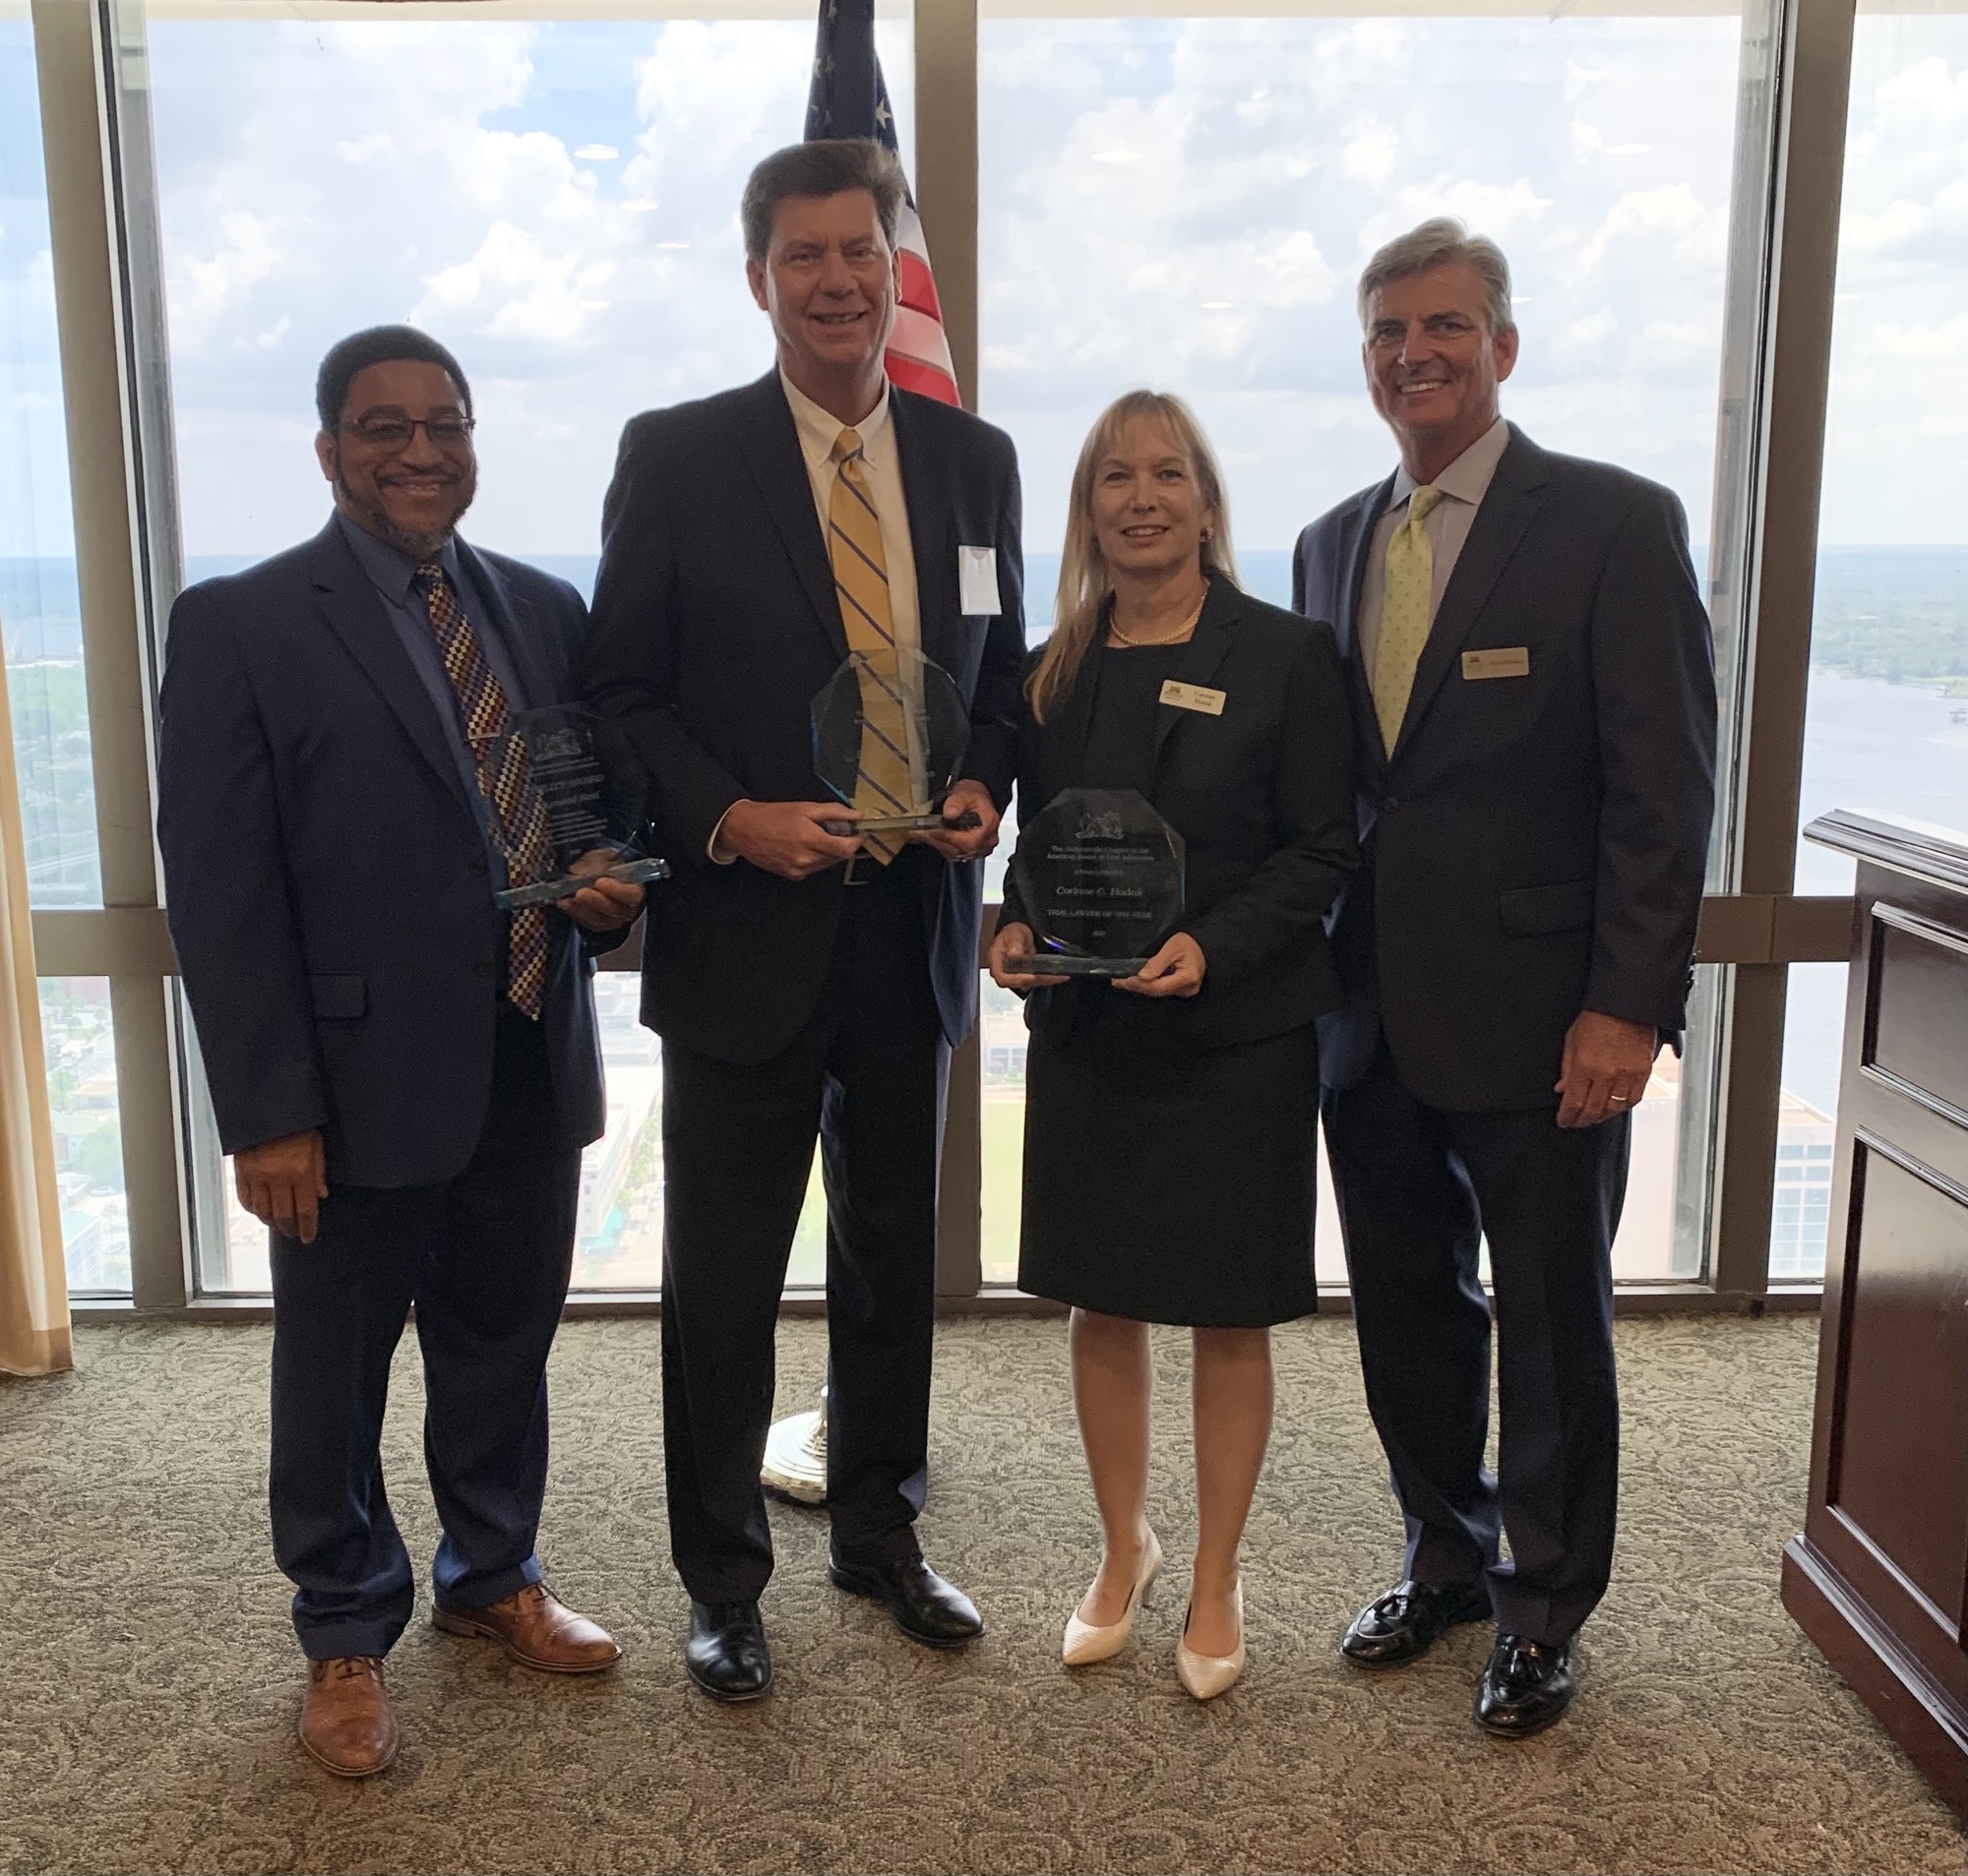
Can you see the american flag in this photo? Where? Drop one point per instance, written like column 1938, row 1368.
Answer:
column 848, row 99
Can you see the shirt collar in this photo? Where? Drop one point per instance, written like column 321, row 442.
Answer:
column 1468, row 477
column 391, row 571
column 819, row 428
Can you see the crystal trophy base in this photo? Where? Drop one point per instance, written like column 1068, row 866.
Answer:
column 1073, row 966
column 962, row 824
column 630, row 872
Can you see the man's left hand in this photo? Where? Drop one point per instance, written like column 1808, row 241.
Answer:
column 1607, row 1062
column 974, row 844
column 608, row 905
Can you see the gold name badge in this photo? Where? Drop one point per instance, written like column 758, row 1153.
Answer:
column 1194, row 697
column 1500, row 661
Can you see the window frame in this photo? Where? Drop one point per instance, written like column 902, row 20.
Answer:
column 92, row 77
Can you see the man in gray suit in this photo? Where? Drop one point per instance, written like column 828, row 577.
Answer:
column 1534, row 694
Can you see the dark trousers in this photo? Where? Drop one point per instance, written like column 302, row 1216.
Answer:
column 867, row 1075
column 485, row 1257
column 1418, row 1188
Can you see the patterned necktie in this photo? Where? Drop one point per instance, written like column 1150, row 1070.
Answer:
column 516, row 808
column 861, row 580
column 1404, row 614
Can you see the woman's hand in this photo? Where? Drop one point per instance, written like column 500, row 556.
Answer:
column 1176, row 970
column 1016, row 941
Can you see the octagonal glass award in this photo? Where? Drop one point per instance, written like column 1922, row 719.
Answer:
column 1101, row 875
column 595, row 791
column 890, row 729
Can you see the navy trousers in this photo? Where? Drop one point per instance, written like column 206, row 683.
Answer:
column 485, row 1257
column 866, row 1075
column 1418, row 1189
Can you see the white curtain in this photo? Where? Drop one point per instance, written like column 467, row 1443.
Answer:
column 33, row 1282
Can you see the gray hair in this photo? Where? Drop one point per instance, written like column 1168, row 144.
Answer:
column 825, row 166
column 1442, row 241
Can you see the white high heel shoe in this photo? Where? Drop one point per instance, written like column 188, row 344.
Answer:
column 1086, row 1643
column 1208, row 1676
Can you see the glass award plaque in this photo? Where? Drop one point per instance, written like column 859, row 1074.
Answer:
column 1101, row 875
column 594, row 793
column 890, row 729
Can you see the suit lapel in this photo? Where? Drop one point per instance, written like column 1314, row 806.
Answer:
column 1513, row 499
column 1198, row 661
column 1358, row 552
column 769, row 442
column 926, row 494
column 356, row 614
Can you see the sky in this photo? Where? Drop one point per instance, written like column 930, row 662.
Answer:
column 1183, row 203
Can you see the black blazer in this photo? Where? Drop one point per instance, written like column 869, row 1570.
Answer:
column 1534, row 845
column 716, row 622
column 1263, row 797
column 326, row 873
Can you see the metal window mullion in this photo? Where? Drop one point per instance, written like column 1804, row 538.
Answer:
column 103, row 492
column 1777, row 645
column 945, row 119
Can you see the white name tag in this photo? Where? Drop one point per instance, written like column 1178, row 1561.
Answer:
column 977, row 581
column 1194, row 697
column 1500, row 661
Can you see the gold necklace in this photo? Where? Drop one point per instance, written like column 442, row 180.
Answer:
column 1174, row 639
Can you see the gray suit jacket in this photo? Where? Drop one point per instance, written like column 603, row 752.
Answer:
column 1533, row 845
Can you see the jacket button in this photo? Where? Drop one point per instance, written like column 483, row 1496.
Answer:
column 479, row 867
column 483, row 968
column 1389, row 806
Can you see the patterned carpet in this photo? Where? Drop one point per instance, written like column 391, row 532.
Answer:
column 147, row 1719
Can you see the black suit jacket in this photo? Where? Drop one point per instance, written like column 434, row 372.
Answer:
column 716, row 622
column 1263, row 797
column 327, row 876
column 1535, row 845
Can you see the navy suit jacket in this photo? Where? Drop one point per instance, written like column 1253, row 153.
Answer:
column 715, row 622
column 326, row 876
column 1534, row 846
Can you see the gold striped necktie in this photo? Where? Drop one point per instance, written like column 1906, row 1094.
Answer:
column 861, row 580
column 1404, row 614
column 518, row 811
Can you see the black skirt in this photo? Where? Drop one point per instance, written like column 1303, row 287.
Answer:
column 1179, row 1191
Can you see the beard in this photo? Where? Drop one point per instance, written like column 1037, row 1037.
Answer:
column 378, row 522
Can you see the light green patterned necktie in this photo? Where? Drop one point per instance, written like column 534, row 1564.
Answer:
column 1404, row 619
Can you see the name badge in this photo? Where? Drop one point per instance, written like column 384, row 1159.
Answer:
column 1194, row 697
column 1500, row 661
column 977, row 581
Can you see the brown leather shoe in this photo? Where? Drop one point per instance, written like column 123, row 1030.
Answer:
column 537, row 1630
column 346, row 1725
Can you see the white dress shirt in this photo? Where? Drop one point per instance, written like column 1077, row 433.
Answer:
column 1463, row 485
column 882, row 467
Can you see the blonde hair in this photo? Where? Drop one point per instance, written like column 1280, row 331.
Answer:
column 1085, row 584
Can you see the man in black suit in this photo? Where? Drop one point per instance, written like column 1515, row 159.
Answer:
column 805, row 982
column 1534, row 694
column 403, row 1074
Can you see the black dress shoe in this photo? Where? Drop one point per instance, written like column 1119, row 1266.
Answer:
column 926, row 1608
column 1407, row 1620
column 1526, row 1686
column 726, row 1654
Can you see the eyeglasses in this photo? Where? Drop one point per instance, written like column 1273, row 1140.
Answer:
column 394, row 432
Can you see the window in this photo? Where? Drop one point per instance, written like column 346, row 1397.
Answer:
column 1186, row 202
column 555, row 196
column 79, row 1042
column 1886, row 716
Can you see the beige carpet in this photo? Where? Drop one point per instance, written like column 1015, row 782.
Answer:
column 148, row 1713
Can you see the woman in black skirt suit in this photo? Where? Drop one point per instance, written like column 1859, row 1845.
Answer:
column 1171, row 1117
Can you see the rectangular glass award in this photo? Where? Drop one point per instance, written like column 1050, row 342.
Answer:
column 1101, row 875
column 890, row 729
column 593, row 789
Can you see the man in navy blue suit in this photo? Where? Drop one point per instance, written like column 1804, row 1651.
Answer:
column 403, row 1074
column 1534, row 701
